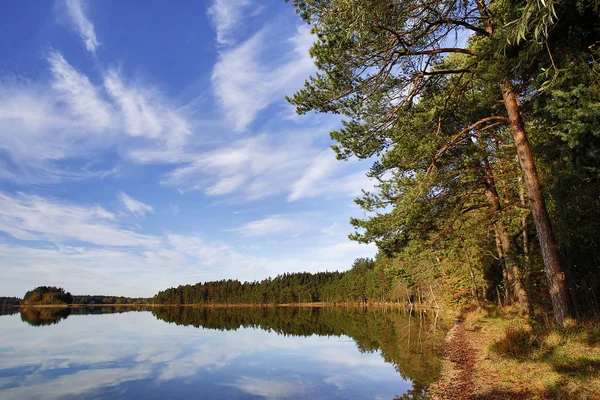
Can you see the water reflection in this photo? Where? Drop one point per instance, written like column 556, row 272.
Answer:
column 37, row 316
column 235, row 353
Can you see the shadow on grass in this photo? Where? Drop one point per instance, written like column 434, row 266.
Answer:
column 580, row 368
column 561, row 390
column 537, row 346
column 593, row 336
column 518, row 343
column 502, row 394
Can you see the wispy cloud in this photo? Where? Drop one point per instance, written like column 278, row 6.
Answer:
column 274, row 224
column 67, row 118
column 84, row 27
column 270, row 388
column 83, row 99
column 251, row 168
column 72, row 119
column 31, row 217
column 345, row 249
column 226, row 15
column 314, row 176
column 322, row 178
column 245, row 82
column 145, row 111
column 263, row 166
column 134, row 206
column 86, row 246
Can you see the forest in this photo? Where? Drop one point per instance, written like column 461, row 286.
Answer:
column 482, row 122
column 367, row 281
column 9, row 301
column 102, row 299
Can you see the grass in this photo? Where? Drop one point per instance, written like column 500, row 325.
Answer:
column 518, row 356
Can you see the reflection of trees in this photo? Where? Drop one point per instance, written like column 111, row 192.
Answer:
column 35, row 316
column 106, row 309
column 409, row 341
column 9, row 310
column 38, row 316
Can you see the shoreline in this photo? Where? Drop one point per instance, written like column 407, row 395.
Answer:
column 380, row 305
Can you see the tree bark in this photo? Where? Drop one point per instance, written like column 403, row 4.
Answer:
column 524, row 222
column 473, row 282
column 513, row 274
column 506, row 274
column 554, row 273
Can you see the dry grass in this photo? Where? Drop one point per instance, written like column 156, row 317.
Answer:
column 524, row 360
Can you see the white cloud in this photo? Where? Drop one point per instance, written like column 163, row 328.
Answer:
column 247, row 169
column 31, row 217
column 82, row 97
column 319, row 179
column 321, row 168
column 226, row 15
column 134, row 206
column 76, row 384
column 42, row 125
column 145, row 112
column 84, row 27
column 267, row 165
column 245, row 83
column 274, row 224
column 123, row 261
column 345, row 249
column 270, row 388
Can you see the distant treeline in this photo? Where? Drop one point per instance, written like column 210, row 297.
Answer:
column 367, row 281
column 100, row 299
column 51, row 295
column 9, row 301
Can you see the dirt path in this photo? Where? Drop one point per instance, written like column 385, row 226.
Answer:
column 463, row 376
column 457, row 372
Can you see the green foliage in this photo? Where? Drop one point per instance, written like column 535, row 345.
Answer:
column 432, row 116
column 365, row 281
column 100, row 299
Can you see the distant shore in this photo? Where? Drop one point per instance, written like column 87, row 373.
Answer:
column 394, row 305
column 78, row 305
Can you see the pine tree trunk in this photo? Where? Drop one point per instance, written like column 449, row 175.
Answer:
column 513, row 274
column 524, row 222
column 506, row 274
column 549, row 248
column 475, row 290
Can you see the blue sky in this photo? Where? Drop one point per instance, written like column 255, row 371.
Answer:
column 148, row 144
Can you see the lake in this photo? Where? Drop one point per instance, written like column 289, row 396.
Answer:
column 228, row 353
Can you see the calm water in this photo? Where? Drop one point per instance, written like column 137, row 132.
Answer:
column 178, row 353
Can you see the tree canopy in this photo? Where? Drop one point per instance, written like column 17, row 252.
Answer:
column 46, row 295
column 457, row 100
